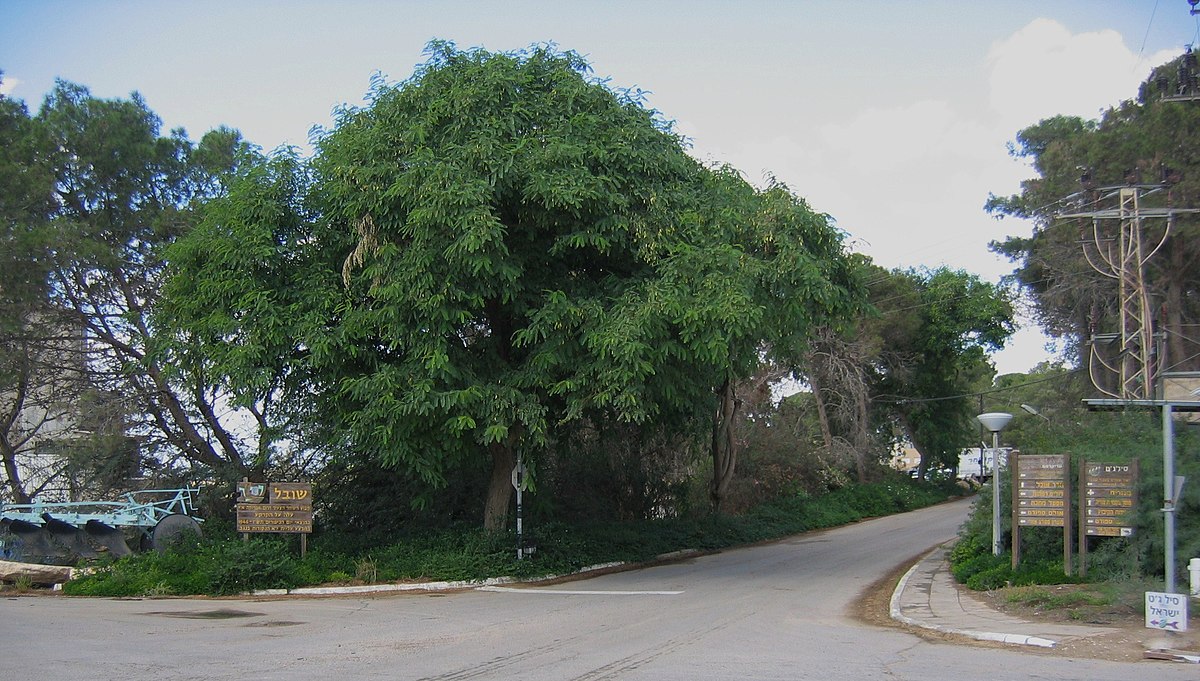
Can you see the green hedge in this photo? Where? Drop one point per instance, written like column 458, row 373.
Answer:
column 228, row 565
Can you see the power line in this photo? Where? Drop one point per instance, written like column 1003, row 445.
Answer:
column 1146, row 38
column 922, row 400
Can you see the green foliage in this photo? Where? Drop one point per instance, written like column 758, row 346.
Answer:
column 972, row 564
column 945, row 320
column 361, row 499
column 94, row 191
column 242, row 297
column 236, row 567
column 223, row 567
column 227, row 565
column 1033, row 596
column 1110, row 437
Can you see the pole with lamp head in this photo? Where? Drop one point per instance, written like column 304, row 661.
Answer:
column 995, row 422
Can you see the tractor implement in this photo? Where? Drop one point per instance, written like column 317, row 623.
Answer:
column 65, row 532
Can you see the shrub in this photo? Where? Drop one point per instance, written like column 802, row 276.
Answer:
column 990, row 578
column 227, row 565
column 233, row 567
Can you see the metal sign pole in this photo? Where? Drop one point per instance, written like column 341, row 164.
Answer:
column 518, row 483
column 1168, row 429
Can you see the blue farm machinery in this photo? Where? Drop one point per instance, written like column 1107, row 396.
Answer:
column 65, row 532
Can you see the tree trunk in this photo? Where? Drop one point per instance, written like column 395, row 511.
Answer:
column 500, row 490
column 724, row 450
column 16, row 489
column 862, row 435
column 822, row 411
column 8, row 451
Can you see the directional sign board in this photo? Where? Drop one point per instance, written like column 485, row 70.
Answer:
column 1109, row 496
column 1041, row 491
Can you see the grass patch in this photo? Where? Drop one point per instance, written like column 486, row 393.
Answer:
column 1052, row 599
column 1104, row 603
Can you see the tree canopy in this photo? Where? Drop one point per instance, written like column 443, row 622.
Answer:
column 907, row 369
column 94, row 192
column 503, row 247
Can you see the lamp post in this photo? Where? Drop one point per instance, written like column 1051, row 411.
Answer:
column 1034, row 411
column 995, row 422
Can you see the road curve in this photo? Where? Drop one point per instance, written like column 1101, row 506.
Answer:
column 777, row 611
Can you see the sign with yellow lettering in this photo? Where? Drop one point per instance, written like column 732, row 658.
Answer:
column 1041, row 490
column 277, row 507
column 1109, row 497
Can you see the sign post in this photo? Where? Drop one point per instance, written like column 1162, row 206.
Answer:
column 520, row 482
column 1041, row 498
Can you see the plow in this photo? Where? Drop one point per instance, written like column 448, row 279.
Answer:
column 62, row 533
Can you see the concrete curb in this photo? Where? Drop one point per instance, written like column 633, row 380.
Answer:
column 899, row 616
column 427, row 586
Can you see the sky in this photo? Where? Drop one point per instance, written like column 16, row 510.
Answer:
column 891, row 116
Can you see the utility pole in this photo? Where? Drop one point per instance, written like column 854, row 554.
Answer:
column 1137, row 363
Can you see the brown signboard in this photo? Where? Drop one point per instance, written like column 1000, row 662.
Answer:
column 1109, row 495
column 1041, row 498
column 277, row 507
column 1041, row 490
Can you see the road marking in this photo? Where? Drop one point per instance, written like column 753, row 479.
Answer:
column 559, row 592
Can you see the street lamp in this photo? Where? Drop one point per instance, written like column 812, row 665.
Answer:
column 995, row 422
column 1034, row 410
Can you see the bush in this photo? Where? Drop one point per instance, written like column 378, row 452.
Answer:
column 227, row 565
column 233, row 567
column 215, row 567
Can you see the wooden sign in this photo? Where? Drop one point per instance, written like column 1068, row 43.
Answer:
column 1109, row 495
column 1041, row 489
column 277, row 507
column 1041, row 498
column 1107, row 499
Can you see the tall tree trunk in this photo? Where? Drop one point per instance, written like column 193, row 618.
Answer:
column 724, row 450
column 8, row 451
column 500, row 490
column 822, row 410
column 12, row 473
column 862, row 435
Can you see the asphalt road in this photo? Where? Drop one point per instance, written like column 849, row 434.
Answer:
column 769, row 612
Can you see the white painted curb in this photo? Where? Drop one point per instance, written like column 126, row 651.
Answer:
column 419, row 586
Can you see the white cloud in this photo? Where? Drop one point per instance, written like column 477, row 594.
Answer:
column 1043, row 70
column 8, row 85
column 926, row 133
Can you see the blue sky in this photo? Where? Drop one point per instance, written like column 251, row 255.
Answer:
column 890, row 115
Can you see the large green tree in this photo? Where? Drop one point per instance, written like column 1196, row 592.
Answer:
column 32, row 395
column 501, row 248
column 121, row 191
column 233, row 312
column 906, row 368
